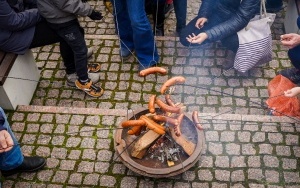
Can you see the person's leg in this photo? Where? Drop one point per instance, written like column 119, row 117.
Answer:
column 158, row 14
column 180, row 7
column 45, row 35
column 72, row 34
column 274, row 5
column 231, row 43
column 143, row 38
column 123, row 24
column 13, row 158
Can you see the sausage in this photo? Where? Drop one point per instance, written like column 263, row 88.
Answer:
column 153, row 70
column 170, row 82
column 136, row 130
column 169, row 100
column 167, row 108
column 152, row 125
column 165, row 119
column 130, row 123
column 178, row 126
column 196, row 121
column 151, row 103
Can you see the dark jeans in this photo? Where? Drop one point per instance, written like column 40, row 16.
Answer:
column 157, row 9
column 180, row 7
column 274, row 4
column 44, row 35
column 294, row 53
column 230, row 42
column 73, row 34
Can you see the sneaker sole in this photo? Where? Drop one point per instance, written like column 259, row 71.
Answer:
column 88, row 91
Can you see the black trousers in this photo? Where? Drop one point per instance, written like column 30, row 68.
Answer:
column 45, row 35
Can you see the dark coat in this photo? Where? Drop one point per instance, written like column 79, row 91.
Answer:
column 236, row 15
column 16, row 28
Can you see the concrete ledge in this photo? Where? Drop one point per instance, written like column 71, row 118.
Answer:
column 21, row 82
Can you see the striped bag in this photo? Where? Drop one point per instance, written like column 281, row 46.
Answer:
column 255, row 41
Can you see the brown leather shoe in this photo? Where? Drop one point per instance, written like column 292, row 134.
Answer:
column 30, row 164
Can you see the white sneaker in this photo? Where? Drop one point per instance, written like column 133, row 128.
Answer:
column 71, row 78
column 90, row 52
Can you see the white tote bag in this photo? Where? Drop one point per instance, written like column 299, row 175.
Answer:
column 255, row 41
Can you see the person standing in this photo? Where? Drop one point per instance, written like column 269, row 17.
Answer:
column 134, row 30
column 12, row 160
column 61, row 16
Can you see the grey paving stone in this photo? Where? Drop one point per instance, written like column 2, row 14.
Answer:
column 91, row 179
column 205, row 175
column 85, row 166
column 237, row 175
column 283, row 150
column 60, row 177
column 271, row 161
column 75, row 179
column 110, row 181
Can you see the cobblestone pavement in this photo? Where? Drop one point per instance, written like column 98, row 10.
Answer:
column 245, row 147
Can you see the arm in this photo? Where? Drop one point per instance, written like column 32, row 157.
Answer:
column 290, row 40
column 239, row 20
column 12, row 21
column 5, row 138
column 206, row 8
column 292, row 92
column 74, row 6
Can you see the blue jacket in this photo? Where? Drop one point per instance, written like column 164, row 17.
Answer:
column 16, row 27
column 236, row 15
column 2, row 120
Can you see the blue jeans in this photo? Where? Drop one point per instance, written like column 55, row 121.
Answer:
column 180, row 7
column 135, row 30
column 230, row 42
column 294, row 53
column 14, row 157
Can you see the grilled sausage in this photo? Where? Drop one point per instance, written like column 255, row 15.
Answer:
column 131, row 123
column 196, row 121
column 151, row 103
column 153, row 70
column 170, row 82
column 167, row 108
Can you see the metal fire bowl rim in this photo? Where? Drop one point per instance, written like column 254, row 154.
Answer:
column 157, row 172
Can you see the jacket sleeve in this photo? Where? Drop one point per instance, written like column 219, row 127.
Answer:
column 10, row 20
column 2, row 120
column 205, row 8
column 74, row 6
column 239, row 20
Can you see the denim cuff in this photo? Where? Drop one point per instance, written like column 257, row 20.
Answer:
column 2, row 128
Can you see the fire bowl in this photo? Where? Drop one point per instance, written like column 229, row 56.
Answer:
column 152, row 165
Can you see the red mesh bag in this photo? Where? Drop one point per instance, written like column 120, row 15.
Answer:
column 279, row 103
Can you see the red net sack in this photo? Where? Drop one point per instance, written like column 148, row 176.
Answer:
column 279, row 103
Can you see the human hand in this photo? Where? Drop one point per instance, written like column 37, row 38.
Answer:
column 197, row 39
column 292, row 92
column 5, row 141
column 200, row 22
column 96, row 15
column 290, row 40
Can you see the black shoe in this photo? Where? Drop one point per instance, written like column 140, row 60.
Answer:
column 159, row 31
column 292, row 74
column 30, row 164
column 229, row 60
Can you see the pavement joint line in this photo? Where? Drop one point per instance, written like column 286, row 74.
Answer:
column 121, row 112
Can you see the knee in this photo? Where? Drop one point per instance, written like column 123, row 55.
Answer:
column 294, row 54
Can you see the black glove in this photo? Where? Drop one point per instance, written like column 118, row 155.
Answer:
column 96, row 15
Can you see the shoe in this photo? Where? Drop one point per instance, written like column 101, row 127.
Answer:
column 30, row 164
column 71, row 78
column 229, row 60
column 90, row 52
column 125, row 53
column 292, row 74
column 89, row 88
column 94, row 67
column 168, row 9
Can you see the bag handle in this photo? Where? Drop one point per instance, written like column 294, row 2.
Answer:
column 263, row 10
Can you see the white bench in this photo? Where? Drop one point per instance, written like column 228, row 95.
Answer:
column 19, row 77
column 291, row 15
